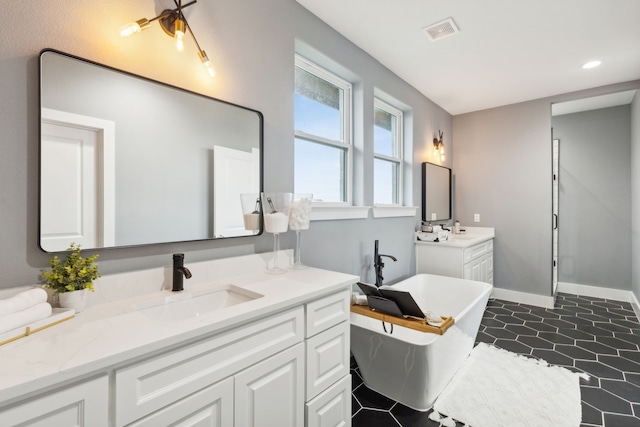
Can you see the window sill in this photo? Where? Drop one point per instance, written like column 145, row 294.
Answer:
column 333, row 212
column 394, row 211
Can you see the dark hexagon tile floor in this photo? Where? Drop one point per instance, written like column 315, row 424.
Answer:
column 593, row 335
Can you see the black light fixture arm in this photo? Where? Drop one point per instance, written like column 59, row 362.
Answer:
column 178, row 9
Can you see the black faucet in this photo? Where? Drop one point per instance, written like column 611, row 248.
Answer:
column 378, row 265
column 179, row 272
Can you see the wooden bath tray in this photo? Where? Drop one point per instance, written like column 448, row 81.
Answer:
column 411, row 323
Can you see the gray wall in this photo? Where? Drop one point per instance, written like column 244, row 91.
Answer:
column 251, row 43
column 635, row 196
column 502, row 169
column 595, row 192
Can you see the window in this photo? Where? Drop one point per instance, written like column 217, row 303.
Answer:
column 387, row 148
column 322, row 122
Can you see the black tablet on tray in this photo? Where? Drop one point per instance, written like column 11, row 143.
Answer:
column 408, row 306
column 391, row 301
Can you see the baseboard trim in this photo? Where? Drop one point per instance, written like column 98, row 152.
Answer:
column 523, row 297
column 568, row 288
column 596, row 291
column 636, row 305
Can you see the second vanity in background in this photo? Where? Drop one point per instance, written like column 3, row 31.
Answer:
column 467, row 256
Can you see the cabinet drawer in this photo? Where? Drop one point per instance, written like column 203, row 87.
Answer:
column 327, row 358
column 327, row 312
column 162, row 380
column 332, row 407
column 478, row 250
column 211, row 407
column 84, row 404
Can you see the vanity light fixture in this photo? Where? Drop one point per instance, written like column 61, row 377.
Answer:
column 174, row 25
column 438, row 146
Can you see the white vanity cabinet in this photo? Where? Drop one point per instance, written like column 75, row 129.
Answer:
column 465, row 256
column 251, row 376
column 280, row 360
column 82, row 404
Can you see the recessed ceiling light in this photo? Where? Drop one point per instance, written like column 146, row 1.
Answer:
column 591, row 64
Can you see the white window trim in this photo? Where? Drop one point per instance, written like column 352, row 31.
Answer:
column 394, row 211
column 347, row 129
column 331, row 211
column 380, row 104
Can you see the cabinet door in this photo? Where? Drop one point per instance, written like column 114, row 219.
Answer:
column 84, row 404
column 211, row 407
column 474, row 270
column 271, row 393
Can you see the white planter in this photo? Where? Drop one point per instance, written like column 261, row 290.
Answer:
column 76, row 300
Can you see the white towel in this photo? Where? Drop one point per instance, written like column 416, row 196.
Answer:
column 25, row 317
column 22, row 301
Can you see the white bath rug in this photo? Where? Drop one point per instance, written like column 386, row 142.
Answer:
column 495, row 387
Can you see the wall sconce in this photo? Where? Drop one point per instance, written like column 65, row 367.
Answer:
column 438, row 146
column 174, row 25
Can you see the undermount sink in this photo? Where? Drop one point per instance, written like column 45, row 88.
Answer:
column 187, row 304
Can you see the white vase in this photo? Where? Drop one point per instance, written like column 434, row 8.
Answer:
column 77, row 300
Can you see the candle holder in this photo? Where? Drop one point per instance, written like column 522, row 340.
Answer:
column 275, row 208
column 299, row 219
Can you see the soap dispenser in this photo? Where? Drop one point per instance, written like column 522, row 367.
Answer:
column 456, row 227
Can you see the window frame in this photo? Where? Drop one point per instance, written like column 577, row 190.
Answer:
column 398, row 136
column 346, row 119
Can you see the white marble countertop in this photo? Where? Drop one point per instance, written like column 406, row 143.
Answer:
column 110, row 333
column 471, row 236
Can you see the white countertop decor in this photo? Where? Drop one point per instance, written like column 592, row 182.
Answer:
column 470, row 237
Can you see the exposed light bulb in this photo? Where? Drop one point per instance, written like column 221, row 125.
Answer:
column 134, row 27
column 207, row 63
column 179, row 34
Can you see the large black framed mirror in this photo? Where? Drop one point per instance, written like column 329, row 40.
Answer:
column 436, row 192
column 128, row 161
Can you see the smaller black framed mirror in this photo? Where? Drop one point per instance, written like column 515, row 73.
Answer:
column 436, row 192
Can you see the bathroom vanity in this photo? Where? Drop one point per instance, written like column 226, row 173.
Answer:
column 467, row 256
column 273, row 350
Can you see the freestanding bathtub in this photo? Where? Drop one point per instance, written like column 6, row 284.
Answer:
column 413, row 367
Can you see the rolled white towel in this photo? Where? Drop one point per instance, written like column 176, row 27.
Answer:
column 433, row 319
column 22, row 301
column 24, row 317
column 358, row 299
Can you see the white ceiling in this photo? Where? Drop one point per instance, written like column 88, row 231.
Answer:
column 507, row 51
column 593, row 103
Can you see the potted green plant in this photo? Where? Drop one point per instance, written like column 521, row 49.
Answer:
column 71, row 279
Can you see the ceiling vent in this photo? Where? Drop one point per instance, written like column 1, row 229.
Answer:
column 441, row 29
